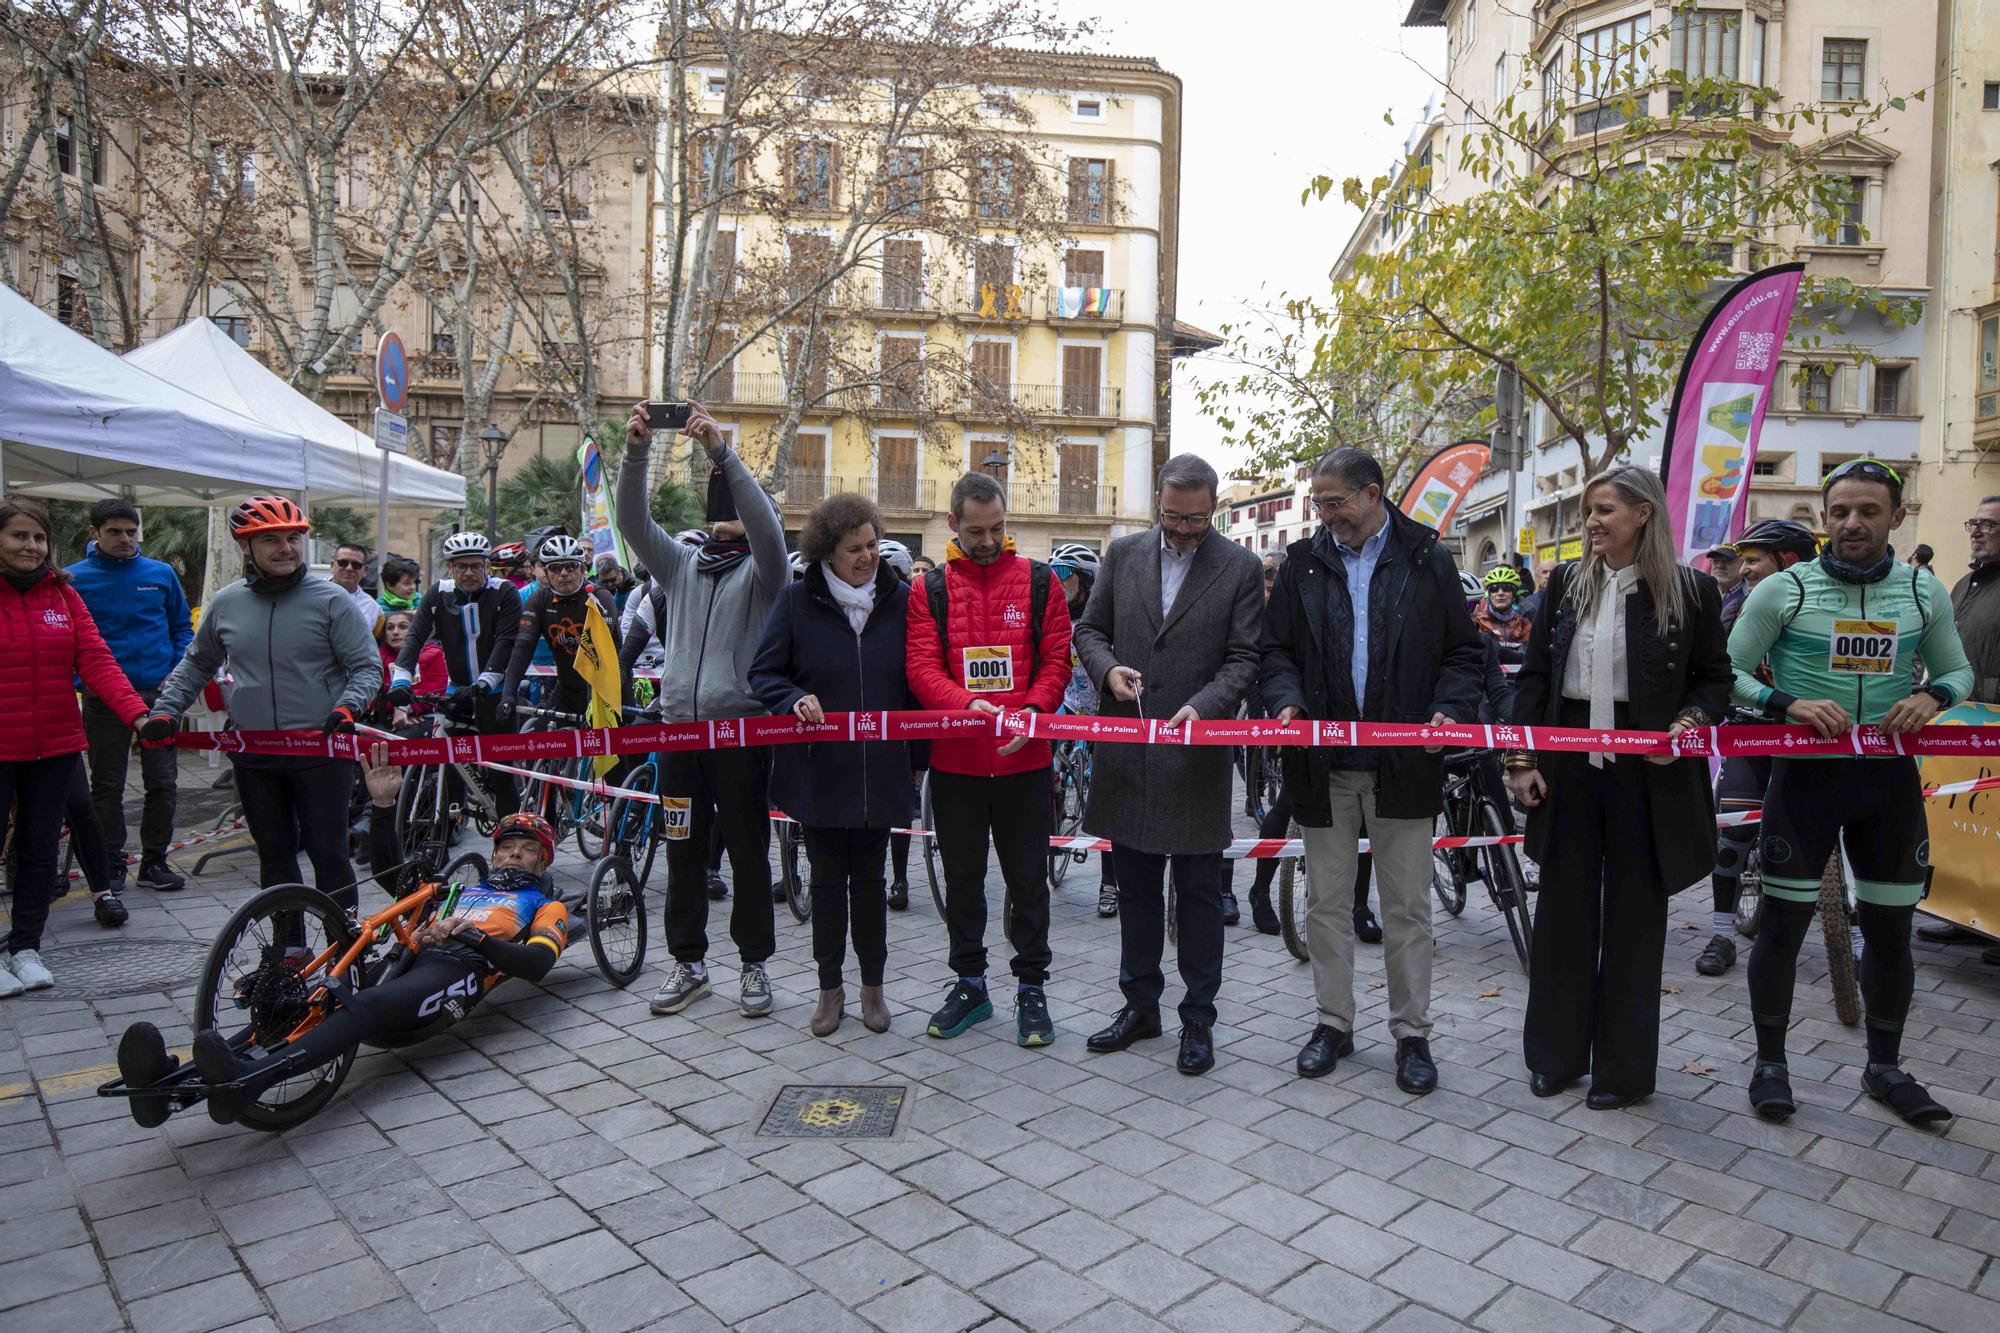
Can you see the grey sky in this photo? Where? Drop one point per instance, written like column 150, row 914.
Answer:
column 1275, row 93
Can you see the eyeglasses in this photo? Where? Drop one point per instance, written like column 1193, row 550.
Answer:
column 1979, row 527
column 1185, row 522
column 1870, row 468
column 350, row 564
column 1335, row 504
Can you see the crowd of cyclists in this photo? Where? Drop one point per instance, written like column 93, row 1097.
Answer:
column 722, row 622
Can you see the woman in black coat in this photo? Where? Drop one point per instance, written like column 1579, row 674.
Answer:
column 1627, row 637
column 834, row 644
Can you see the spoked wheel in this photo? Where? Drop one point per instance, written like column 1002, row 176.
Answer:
column 1294, row 899
column 1447, row 872
column 465, row 868
column 933, row 865
column 792, row 870
column 592, row 812
column 1065, row 819
column 634, row 823
column 1504, row 882
column 1750, row 895
column 615, row 913
column 252, row 989
column 422, row 825
column 1840, row 962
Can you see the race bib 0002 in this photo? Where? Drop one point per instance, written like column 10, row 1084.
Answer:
column 989, row 670
column 678, row 812
column 1862, row 647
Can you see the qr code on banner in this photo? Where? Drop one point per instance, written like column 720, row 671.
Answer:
column 1753, row 351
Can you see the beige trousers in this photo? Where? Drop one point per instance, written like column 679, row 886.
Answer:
column 1402, row 851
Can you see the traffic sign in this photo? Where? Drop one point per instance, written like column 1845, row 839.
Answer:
column 392, row 431
column 392, row 372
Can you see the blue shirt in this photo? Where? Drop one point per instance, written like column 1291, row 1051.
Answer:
column 139, row 609
column 1360, row 566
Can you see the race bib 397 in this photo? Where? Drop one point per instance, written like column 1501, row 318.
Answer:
column 678, row 812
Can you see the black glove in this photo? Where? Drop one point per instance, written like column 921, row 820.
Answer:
column 157, row 728
column 340, row 719
column 402, row 696
column 461, row 706
column 504, row 710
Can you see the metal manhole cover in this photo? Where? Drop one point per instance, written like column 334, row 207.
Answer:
column 834, row 1112
column 103, row 969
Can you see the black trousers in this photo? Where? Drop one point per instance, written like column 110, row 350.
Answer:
column 1600, row 930
column 33, row 793
column 728, row 789
column 110, row 743
column 293, row 805
column 1142, row 928
column 437, row 990
column 86, row 839
column 1014, row 811
column 848, row 884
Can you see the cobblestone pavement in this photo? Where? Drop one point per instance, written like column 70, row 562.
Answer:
column 566, row 1159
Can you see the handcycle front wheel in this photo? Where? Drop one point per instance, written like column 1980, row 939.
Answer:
column 635, row 824
column 253, row 975
column 615, row 915
column 465, row 868
column 792, row 873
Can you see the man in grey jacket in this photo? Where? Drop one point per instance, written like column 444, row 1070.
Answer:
column 716, row 598
column 1171, row 634
column 301, row 661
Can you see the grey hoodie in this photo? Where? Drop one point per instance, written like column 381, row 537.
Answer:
column 295, row 654
column 714, row 624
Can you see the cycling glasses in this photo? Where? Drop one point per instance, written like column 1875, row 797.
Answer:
column 563, row 566
column 1866, row 469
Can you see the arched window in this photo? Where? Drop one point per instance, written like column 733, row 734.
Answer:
column 1489, row 554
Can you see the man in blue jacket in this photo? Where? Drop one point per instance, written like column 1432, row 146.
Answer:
column 143, row 615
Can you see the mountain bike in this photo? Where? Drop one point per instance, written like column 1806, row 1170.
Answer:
column 570, row 810
column 1471, row 812
column 437, row 799
column 1070, row 790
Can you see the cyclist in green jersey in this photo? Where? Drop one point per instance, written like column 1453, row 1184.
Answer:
column 1843, row 635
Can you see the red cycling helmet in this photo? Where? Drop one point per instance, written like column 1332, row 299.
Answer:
column 525, row 825
column 267, row 513
column 510, row 553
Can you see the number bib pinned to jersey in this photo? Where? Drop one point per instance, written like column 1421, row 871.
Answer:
column 1862, row 647
column 989, row 670
column 678, row 814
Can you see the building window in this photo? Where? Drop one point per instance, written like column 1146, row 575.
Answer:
column 903, row 181
column 1845, row 220
column 812, row 176
column 896, row 471
column 1889, row 390
column 1764, row 467
column 1089, row 108
column 66, row 152
column 993, row 184
column 806, row 483
column 1082, row 379
column 992, row 372
column 1610, row 63
column 1842, row 61
column 989, row 454
column 902, row 274
column 1090, row 189
column 992, row 276
column 1501, row 87
column 1702, row 45
column 701, row 168
column 1083, row 268
column 234, row 170
column 902, row 369
column 715, row 86
column 1989, row 367
column 1816, row 389
column 1077, row 493
column 1990, row 99
column 71, row 308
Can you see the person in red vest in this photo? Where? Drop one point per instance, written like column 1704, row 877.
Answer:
column 990, row 631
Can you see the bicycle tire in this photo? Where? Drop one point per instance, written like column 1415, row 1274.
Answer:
column 614, row 910
column 1505, row 883
column 592, row 813
column 791, row 874
column 1294, row 899
column 1447, row 883
column 933, row 867
column 1252, row 769
column 456, row 872
column 1750, row 895
column 1841, row 970
column 264, row 1114
column 634, row 825
column 420, row 816
column 1066, row 816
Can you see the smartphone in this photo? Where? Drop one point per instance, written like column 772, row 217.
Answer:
column 668, row 416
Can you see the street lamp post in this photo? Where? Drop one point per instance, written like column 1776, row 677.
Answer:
column 493, row 442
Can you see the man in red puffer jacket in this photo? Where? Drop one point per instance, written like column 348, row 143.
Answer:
column 989, row 657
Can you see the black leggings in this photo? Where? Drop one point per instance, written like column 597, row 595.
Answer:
column 33, row 793
column 438, row 989
column 294, row 805
column 86, row 837
column 1888, row 974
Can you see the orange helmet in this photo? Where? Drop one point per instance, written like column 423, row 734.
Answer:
column 525, row 825
column 267, row 513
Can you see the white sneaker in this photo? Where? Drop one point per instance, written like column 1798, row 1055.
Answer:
column 10, row 985
column 31, row 971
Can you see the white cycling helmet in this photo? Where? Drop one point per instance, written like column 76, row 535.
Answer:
column 1469, row 585
column 799, row 564
column 467, row 543
column 1076, row 556
column 561, row 548
column 895, row 555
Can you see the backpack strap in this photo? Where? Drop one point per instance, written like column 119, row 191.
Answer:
column 1798, row 596
column 1039, row 576
column 940, row 609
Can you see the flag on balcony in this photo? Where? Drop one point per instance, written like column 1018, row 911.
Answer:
column 598, row 532
column 1083, row 302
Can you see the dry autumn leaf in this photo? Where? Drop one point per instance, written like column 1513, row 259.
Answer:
column 1376, row 985
column 1670, row 990
column 1697, row 1067
column 1490, row 993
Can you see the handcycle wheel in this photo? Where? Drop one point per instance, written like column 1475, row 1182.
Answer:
column 614, row 912
column 249, row 978
column 1447, row 878
column 1840, row 964
column 1505, row 883
column 933, row 867
column 1294, row 900
column 791, row 848
column 1750, row 894
column 633, row 825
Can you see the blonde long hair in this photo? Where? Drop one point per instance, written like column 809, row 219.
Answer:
column 1670, row 582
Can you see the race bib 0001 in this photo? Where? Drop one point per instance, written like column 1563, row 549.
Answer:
column 678, row 811
column 1862, row 647
column 989, row 670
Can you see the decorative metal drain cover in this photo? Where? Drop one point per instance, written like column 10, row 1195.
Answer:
column 866, row 1111
column 103, row 969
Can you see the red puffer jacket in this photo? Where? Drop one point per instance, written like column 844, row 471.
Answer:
column 47, row 640
column 988, row 632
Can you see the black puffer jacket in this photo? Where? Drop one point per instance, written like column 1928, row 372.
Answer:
column 809, row 648
column 1424, row 658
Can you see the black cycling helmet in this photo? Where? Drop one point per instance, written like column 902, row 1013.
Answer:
column 1782, row 538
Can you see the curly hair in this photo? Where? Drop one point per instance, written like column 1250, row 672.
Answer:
column 833, row 518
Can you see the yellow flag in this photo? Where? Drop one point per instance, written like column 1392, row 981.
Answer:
column 597, row 663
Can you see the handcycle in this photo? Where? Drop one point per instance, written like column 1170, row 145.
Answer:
column 281, row 964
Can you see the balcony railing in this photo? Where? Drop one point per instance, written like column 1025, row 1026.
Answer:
column 767, row 389
column 933, row 494
column 1083, row 304
column 1043, row 400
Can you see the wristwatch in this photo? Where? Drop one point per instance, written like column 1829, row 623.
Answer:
column 1939, row 693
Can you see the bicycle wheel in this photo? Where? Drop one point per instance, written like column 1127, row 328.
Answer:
column 1173, row 910
column 634, row 824
column 1066, row 817
column 1447, row 878
column 1750, row 895
column 252, row 977
column 1840, row 962
column 614, row 912
column 1251, row 766
column 465, row 868
column 592, row 812
column 792, row 873
column 422, row 827
column 933, row 866
column 1504, row 882
column 1294, row 897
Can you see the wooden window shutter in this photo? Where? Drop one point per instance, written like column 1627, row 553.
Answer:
column 1082, row 368
column 896, row 471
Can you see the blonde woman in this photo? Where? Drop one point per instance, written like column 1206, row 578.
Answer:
column 1627, row 637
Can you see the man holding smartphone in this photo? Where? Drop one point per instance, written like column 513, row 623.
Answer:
column 715, row 598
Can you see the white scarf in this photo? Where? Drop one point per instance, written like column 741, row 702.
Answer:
column 857, row 603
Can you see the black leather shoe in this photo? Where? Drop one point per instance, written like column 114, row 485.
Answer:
column 1415, row 1073
column 1231, row 913
column 1366, row 928
column 1547, row 1085
column 1602, row 1099
column 1130, row 1026
column 1197, row 1049
column 1323, row 1050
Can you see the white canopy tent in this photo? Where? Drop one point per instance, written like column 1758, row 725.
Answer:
column 342, row 465
column 78, row 423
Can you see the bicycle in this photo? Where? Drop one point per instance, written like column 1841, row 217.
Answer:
column 792, row 873
column 934, row 863
column 1836, row 922
column 428, row 816
column 281, row 962
column 1261, row 781
column 1472, row 812
column 1070, row 788
column 581, row 811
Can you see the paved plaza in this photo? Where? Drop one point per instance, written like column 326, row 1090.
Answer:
column 566, row 1159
